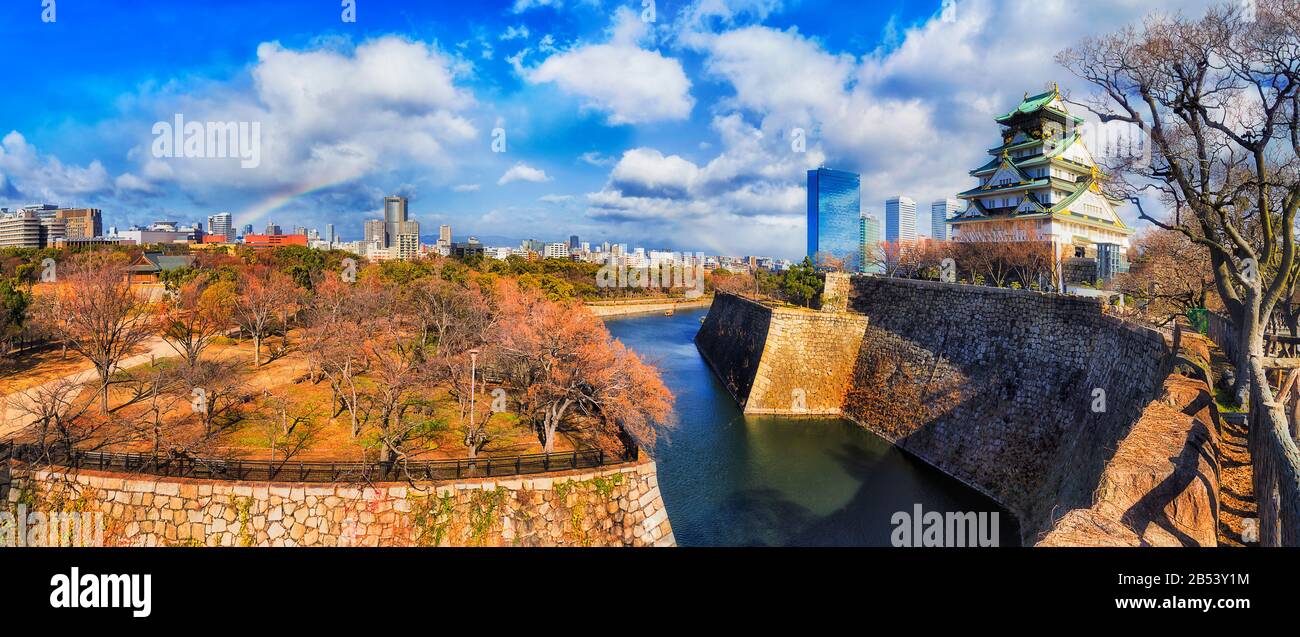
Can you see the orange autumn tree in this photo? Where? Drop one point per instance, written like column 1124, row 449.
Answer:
column 565, row 370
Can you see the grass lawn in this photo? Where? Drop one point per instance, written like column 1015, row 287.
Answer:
column 283, row 383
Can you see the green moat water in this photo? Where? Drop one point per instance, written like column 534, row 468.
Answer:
column 732, row 480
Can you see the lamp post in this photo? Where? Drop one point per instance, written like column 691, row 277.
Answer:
column 472, row 438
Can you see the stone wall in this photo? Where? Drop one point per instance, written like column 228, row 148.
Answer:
column 644, row 306
column 791, row 361
column 1040, row 401
column 616, row 506
column 1023, row 395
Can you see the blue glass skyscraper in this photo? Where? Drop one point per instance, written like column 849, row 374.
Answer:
column 834, row 212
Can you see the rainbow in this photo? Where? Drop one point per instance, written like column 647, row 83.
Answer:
column 257, row 212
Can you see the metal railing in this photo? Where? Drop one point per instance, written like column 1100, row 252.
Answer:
column 293, row 471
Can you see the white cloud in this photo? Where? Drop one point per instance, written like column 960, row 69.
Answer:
column 555, row 198
column 523, row 172
column 627, row 83
column 328, row 115
column 466, row 187
column 521, row 6
column 27, row 176
column 596, row 159
column 514, row 32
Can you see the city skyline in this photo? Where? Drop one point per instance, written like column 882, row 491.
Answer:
column 710, row 145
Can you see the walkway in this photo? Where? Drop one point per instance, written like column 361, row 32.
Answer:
column 13, row 420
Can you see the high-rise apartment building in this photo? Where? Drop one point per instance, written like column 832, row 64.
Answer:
column 900, row 219
column 222, row 224
column 556, row 251
column 375, row 232
column 407, row 246
column 444, row 235
column 834, row 209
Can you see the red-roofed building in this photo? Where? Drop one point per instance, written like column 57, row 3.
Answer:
column 274, row 240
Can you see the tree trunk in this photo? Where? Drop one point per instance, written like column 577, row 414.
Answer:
column 257, row 350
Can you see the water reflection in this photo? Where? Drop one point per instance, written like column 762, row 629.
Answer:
column 732, row 480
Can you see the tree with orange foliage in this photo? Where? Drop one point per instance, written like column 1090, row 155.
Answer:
column 261, row 301
column 196, row 314
column 562, row 365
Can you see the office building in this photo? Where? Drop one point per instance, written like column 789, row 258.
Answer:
column 900, row 219
column 21, row 229
column 834, row 208
column 872, row 258
column 394, row 218
column 940, row 212
column 81, row 223
column 274, row 240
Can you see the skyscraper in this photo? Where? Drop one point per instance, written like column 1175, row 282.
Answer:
column 834, row 210
column 329, row 234
column 444, row 235
column 573, row 243
column 940, row 212
column 900, row 219
column 222, row 224
column 871, row 259
column 272, row 229
column 394, row 218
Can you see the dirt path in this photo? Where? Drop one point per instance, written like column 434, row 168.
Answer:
column 12, row 420
column 1236, row 479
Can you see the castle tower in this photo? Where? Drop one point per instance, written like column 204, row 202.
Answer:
column 1041, row 184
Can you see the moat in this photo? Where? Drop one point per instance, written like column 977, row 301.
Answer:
column 732, row 480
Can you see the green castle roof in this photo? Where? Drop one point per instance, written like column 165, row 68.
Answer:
column 1034, row 103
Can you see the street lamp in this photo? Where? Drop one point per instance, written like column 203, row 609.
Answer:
column 473, row 369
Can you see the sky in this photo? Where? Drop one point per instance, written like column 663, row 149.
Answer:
column 687, row 125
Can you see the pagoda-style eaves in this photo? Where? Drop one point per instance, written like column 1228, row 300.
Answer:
column 1041, row 182
column 1048, row 103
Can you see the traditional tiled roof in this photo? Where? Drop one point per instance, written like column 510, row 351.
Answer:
column 1034, row 103
column 158, row 262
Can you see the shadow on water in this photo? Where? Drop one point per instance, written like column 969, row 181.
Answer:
column 732, row 480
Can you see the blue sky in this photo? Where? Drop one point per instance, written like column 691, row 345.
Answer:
column 675, row 132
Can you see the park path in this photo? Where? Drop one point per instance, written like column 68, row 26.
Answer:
column 12, row 420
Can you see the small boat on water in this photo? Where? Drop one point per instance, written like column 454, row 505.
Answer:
column 668, row 312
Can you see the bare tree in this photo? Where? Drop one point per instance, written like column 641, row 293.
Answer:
column 100, row 317
column 1219, row 100
column 54, row 411
column 263, row 295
